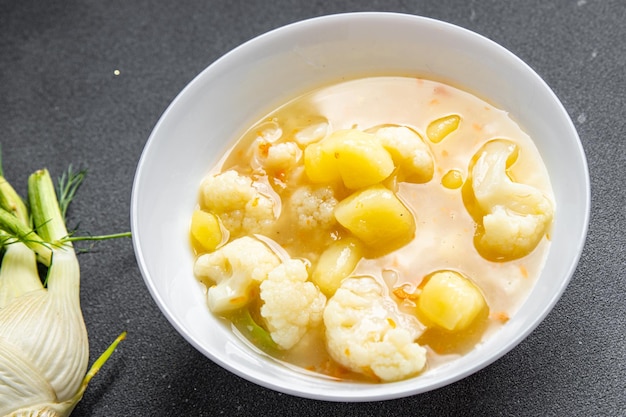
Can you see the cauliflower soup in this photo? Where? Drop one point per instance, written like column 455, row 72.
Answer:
column 373, row 229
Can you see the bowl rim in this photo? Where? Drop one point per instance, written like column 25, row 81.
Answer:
column 367, row 395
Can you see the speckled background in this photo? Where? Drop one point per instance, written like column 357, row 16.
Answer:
column 84, row 82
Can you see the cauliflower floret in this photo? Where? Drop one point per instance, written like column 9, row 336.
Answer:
column 515, row 216
column 510, row 234
column 235, row 199
column 235, row 268
column 269, row 131
column 366, row 332
column 313, row 207
column 312, row 133
column 409, row 152
column 292, row 305
column 277, row 157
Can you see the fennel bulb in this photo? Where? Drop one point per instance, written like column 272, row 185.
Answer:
column 44, row 348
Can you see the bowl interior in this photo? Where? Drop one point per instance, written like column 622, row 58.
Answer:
column 231, row 94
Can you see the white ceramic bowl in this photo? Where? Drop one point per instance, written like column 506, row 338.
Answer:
column 239, row 88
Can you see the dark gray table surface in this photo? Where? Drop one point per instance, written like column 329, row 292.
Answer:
column 63, row 101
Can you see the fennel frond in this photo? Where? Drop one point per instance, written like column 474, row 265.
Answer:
column 67, row 185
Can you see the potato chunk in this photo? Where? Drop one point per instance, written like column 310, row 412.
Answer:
column 377, row 217
column 336, row 263
column 450, row 300
column 355, row 157
column 361, row 159
column 320, row 164
column 206, row 230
